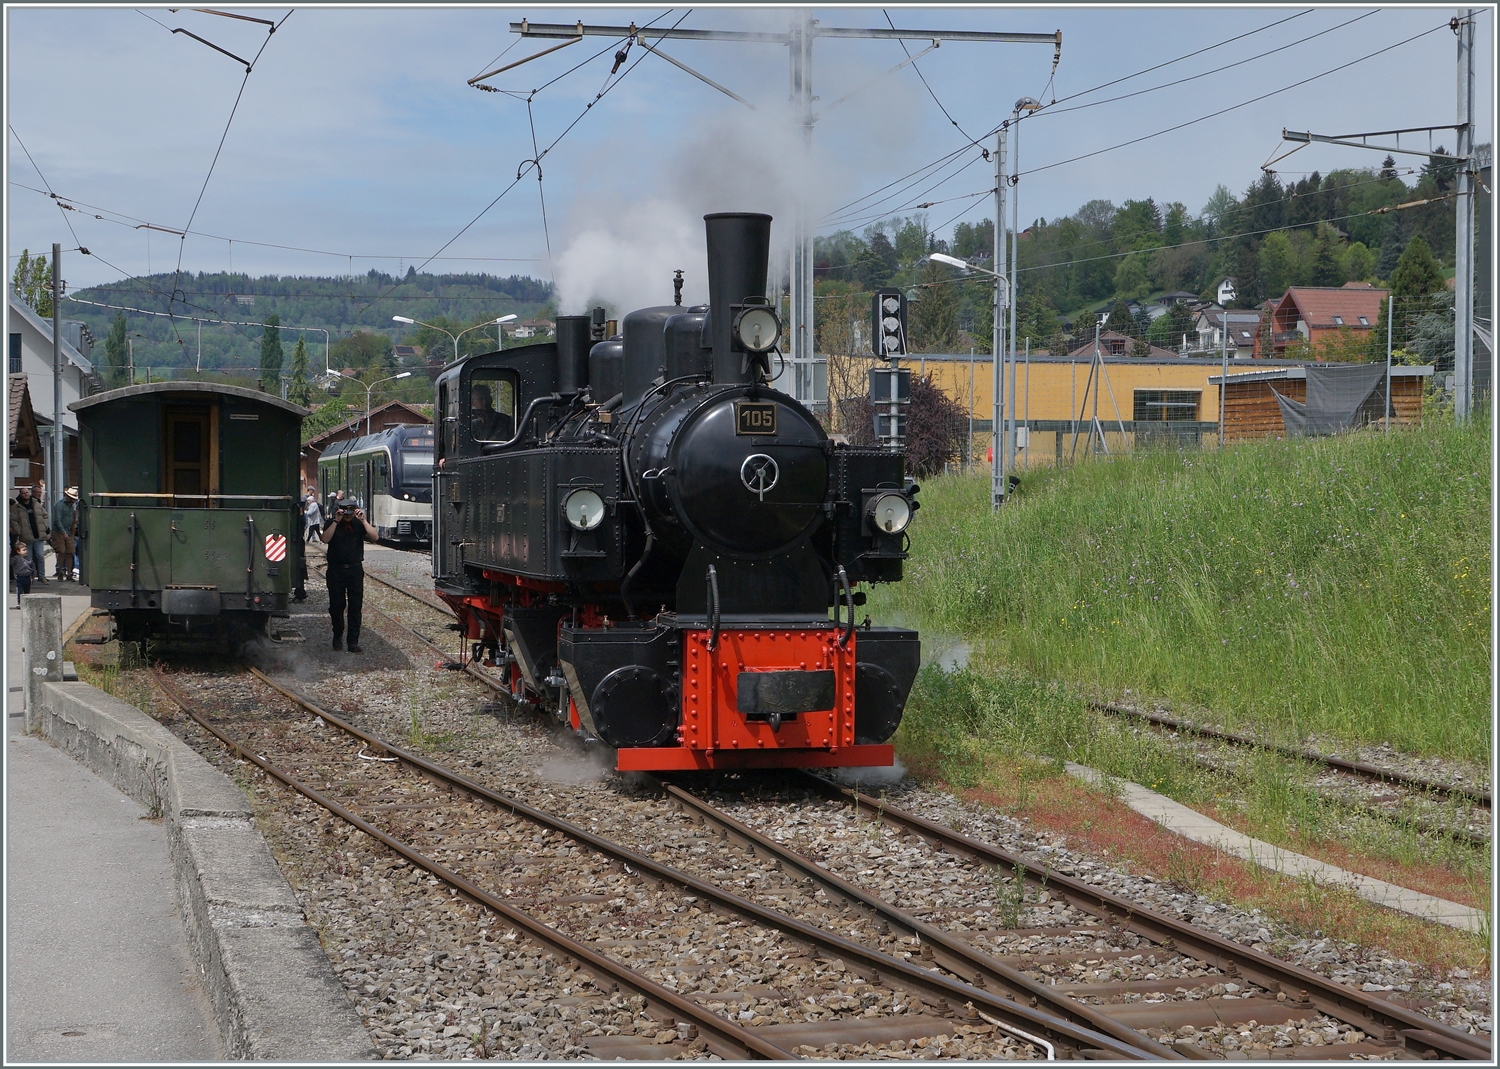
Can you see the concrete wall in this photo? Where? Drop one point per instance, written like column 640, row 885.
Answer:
column 273, row 989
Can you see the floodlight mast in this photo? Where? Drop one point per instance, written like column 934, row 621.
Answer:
column 799, row 41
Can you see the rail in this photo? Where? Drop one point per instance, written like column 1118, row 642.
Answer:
column 728, row 1037
column 1368, row 1012
column 873, row 963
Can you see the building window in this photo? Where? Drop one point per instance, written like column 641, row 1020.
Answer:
column 15, row 354
column 1363, row 321
column 1338, row 321
column 1158, row 406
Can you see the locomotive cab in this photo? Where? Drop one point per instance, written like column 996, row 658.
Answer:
column 663, row 549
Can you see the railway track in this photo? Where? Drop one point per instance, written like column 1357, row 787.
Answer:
column 1253, row 988
column 1360, row 769
column 877, row 997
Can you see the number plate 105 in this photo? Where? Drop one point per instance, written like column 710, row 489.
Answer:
column 755, row 417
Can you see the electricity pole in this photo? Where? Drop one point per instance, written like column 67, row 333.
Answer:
column 1463, row 243
column 798, row 40
column 1463, row 231
column 59, row 473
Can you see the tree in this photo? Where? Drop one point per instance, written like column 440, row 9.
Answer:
column 1358, row 262
column 299, row 392
column 1327, row 270
column 1276, row 262
column 1393, row 239
column 936, row 427
column 1388, row 169
column 33, row 282
column 1417, row 274
column 1216, row 213
column 365, row 348
column 1440, row 170
column 117, row 352
column 1121, row 320
column 934, row 318
column 1131, row 278
column 271, row 355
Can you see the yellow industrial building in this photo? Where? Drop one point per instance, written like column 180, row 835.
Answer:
column 1066, row 406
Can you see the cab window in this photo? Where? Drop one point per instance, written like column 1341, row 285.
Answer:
column 492, row 405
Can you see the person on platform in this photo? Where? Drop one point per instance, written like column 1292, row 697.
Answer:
column 65, row 532
column 313, row 517
column 21, row 570
column 28, row 523
column 345, row 535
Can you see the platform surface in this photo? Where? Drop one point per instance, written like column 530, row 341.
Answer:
column 97, row 961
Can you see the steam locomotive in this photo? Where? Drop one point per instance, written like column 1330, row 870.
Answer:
column 664, row 551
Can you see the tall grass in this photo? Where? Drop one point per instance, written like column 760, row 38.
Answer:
column 1337, row 586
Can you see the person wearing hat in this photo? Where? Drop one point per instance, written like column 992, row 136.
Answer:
column 28, row 523
column 65, row 531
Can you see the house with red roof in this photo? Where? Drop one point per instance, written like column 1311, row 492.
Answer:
column 1314, row 313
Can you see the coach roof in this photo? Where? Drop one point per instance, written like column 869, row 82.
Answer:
column 147, row 389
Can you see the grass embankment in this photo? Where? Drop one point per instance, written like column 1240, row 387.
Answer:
column 1337, row 587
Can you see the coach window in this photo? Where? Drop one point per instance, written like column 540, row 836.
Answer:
column 492, row 405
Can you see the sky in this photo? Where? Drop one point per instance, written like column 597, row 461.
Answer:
column 355, row 143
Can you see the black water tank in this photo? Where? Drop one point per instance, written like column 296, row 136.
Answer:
column 645, row 347
column 573, row 344
column 686, row 353
column 606, row 369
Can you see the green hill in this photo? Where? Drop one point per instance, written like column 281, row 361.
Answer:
column 340, row 305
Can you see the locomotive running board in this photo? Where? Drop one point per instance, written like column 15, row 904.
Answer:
column 682, row 759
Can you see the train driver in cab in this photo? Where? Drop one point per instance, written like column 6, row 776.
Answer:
column 486, row 424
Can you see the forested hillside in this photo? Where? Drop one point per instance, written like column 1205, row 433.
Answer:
column 1312, row 230
column 356, row 311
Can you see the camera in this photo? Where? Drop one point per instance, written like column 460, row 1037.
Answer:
column 347, row 508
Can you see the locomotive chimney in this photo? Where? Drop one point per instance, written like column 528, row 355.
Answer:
column 573, row 344
column 739, row 247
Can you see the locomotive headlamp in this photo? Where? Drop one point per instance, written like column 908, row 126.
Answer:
column 889, row 513
column 584, row 510
column 757, row 329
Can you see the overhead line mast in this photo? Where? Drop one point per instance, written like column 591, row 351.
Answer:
column 798, row 40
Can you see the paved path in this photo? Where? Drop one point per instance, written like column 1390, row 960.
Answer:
column 1199, row 828
column 98, row 966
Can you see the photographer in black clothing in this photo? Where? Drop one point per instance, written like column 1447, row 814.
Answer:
column 345, row 536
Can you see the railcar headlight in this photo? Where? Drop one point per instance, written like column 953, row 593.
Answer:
column 889, row 513
column 584, row 510
column 757, row 329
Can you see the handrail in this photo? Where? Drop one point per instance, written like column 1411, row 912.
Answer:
column 196, row 497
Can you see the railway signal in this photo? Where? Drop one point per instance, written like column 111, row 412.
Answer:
column 888, row 320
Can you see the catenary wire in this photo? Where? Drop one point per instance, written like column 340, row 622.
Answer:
column 1235, row 107
column 587, row 107
column 46, row 183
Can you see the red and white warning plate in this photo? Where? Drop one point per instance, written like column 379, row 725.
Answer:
column 275, row 547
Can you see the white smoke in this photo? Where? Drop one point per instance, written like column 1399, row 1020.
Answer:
column 627, row 232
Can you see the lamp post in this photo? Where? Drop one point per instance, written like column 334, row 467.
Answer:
column 369, row 393
column 454, row 337
column 1000, row 435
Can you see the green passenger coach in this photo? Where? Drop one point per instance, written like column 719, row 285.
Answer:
column 191, row 520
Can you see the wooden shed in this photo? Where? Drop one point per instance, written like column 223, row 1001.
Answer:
column 1250, row 408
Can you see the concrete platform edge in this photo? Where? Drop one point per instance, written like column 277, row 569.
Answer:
column 1193, row 825
column 273, row 990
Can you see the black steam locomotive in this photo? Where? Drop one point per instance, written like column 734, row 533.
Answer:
column 664, row 550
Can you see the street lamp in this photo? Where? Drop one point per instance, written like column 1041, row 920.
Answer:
column 1000, row 436
column 454, row 337
column 371, row 387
